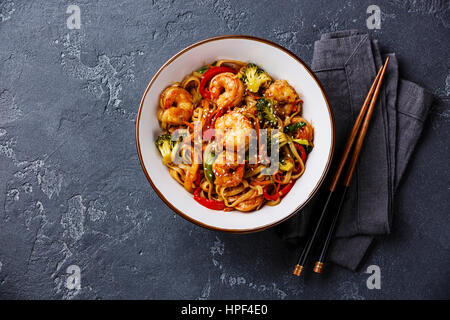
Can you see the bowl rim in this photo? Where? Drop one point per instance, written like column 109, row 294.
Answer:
column 330, row 112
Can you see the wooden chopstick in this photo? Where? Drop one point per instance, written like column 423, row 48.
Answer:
column 354, row 131
column 318, row 267
column 362, row 134
column 365, row 113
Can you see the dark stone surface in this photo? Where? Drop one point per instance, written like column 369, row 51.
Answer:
column 73, row 193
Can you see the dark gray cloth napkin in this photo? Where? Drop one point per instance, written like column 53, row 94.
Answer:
column 346, row 62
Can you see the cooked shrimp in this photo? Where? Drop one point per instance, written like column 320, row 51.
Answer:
column 191, row 173
column 228, row 172
column 233, row 130
column 250, row 204
column 226, row 90
column 282, row 92
column 306, row 132
column 177, row 104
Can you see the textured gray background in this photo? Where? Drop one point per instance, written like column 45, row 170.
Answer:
column 71, row 186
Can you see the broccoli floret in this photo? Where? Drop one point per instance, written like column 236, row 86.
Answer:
column 265, row 111
column 165, row 145
column 294, row 127
column 254, row 77
column 282, row 139
column 286, row 164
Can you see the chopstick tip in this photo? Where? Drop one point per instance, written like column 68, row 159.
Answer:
column 297, row 270
column 318, row 267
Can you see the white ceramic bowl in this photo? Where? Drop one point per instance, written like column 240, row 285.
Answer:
column 280, row 64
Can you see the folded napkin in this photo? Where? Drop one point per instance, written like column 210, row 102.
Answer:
column 346, row 62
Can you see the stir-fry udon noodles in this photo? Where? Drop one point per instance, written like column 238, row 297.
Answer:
column 234, row 136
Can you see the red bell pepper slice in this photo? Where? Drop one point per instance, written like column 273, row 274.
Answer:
column 286, row 188
column 270, row 197
column 210, row 204
column 208, row 133
column 208, row 75
column 281, row 193
column 302, row 151
column 218, row 114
